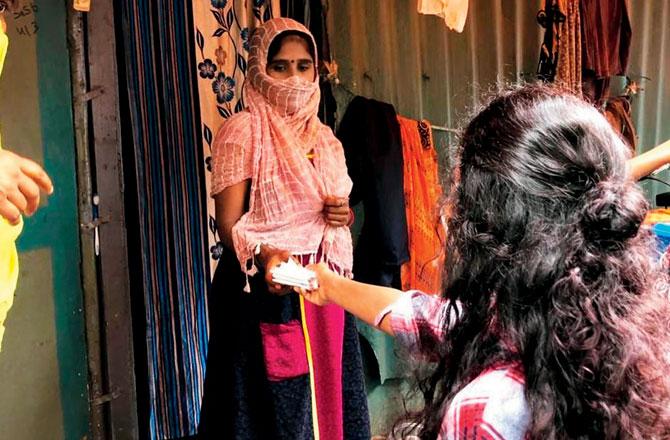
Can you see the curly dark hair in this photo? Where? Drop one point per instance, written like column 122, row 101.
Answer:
column 546, row 255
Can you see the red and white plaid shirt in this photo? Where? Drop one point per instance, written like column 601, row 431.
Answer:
column 492, row 406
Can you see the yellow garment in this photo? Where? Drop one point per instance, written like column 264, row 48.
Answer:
column 9, row 269
column 454, row 12
column 9, row 259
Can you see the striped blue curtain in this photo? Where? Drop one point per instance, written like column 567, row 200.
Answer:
column 172, row 213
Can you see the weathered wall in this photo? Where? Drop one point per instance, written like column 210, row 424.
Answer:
column 42, row 363
column 387, row 51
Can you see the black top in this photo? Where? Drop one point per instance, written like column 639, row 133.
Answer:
column 370, row 134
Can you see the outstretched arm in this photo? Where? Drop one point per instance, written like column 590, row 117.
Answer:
column 364, row 301
column 645, row 163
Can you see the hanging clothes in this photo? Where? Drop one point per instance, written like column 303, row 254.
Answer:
column 549, row 18
column 370, row 135
column 569, row 47
column 423, row 271
column 618, row 114
column 606, row 40
column 607, row 33
column 173, row 276
column 586, row 43
column 453, row 12
column 561, row 51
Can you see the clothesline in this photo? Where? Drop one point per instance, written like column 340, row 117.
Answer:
column 447, row 129
column 343, row 87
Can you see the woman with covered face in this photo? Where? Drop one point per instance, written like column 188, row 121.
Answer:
column 279, row 367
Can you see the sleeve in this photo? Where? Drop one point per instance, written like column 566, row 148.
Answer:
column 418, row 321
column 9, row 269
column 232, row 160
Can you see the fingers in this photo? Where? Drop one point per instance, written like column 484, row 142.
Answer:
column 21, row 180
column 16, row 197
column 9, row 211
column 276, row 288
column 276, row 259
column 337, row 217
column 336, row 224
column 336, row 211
column 31, row 192
column 313, row 296
column 332, row 201
column 37, row 174
column 336, row 202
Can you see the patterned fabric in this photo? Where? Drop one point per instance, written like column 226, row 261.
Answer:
column 493, row 405
column 423, row 271
column 173, row 276
column 231, row 155
column 657, row 215
column 287, row 189
column 222, row 32
column 568, row 43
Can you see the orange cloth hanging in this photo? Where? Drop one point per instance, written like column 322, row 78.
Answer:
column 423, row 271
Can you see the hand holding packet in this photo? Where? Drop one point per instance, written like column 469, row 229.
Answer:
column 292, row 274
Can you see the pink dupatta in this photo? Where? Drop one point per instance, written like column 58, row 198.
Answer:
column 287, row 189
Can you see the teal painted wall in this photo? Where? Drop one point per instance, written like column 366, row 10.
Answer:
column 43, row 370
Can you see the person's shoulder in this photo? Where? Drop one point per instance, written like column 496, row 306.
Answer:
column 323, row 128
column 236, row 128
column 238, row 118
column 326, row 132
column 498, row 399
column 238, row 121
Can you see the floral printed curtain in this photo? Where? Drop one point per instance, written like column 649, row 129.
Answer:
column 222, row 29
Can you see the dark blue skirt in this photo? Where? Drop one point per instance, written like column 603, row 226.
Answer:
column 239, row 401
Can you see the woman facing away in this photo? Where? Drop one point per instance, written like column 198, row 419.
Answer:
column 554, row 321
column 280, row 368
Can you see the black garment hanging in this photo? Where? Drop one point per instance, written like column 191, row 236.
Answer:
column 549, row 18
column 370, row 134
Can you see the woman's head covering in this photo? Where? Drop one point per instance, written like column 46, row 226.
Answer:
column 294, row 97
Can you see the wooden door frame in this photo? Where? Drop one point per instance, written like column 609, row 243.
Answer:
column 105, row 260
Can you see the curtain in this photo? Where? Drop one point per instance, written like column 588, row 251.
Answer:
column 170, row 249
